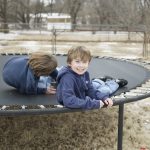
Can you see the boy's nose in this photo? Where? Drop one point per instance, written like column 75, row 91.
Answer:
column 81, row 64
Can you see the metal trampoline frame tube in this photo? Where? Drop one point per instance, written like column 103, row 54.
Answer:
column 119, row 102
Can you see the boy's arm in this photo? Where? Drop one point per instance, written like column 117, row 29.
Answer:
column 41, row 90
column 75, row 102
column 54, row 74
column 31, row 86
column 33, row 89
column 66, row 94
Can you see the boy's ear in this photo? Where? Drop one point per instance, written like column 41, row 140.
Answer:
column 68, row 64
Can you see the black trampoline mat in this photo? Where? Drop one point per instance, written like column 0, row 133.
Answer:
column 135, row 74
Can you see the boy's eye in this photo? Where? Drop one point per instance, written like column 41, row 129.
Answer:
column 77, row 61
column 84, row 62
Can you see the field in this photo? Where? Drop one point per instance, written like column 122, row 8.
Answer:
column 90, row 130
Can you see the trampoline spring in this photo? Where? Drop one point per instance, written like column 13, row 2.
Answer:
column 147, row 83
column 3, row 54
column 122, row 96
column 147, row 67
column 119, row 97
column 146, row 64
column 144, row 88
column 24, row 54
column 141, row 92
column 59, row 106
column 4, row 107
column 41, row 106
column 23, row 107
column 138, row 91
column 17, row 53
column 10, row 53
column 132, row 94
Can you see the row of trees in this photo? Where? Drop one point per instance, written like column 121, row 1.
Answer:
column 130, row 13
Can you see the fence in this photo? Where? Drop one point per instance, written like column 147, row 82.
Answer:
column 94, row 33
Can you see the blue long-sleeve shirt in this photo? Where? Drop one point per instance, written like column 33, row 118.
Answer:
column 18, row 74
column 76, row 91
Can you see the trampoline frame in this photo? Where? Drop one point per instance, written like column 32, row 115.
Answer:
column 118, row 100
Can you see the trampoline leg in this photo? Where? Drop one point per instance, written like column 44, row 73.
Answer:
column 120, row 126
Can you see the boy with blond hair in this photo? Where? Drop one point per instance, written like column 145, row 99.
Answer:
column 74, row 88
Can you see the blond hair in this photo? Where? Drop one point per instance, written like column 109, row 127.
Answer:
column 79, row 52
column 42, row 63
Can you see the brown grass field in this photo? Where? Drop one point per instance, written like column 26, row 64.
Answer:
column 90, row 130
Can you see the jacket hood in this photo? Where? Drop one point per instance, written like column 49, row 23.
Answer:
column 62, row 72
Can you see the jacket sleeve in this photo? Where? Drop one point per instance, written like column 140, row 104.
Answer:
column 33, row 89
column 66, row 94
column 32, row 85
column 41, row 90
column 54, row 74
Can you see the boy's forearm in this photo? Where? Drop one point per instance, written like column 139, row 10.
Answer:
column 87, row 103
column 41, row 91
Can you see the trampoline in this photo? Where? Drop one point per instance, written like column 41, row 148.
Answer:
column 135, row 71
column 99, row 66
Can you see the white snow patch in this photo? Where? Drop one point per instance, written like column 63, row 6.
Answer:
column 8, row 36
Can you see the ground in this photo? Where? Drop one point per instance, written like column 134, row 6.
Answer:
column 89, row 130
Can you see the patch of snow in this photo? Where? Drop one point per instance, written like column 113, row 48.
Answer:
column 8, row 36
column 31, row 45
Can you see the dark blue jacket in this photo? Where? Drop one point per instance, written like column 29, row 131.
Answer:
column 18, row 74
column 76, row 91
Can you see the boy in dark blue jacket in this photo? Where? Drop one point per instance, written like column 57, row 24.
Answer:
column 29, row 74
column 74, row 88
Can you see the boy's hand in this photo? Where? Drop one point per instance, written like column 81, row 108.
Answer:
column 51, row 90
column 108, row 102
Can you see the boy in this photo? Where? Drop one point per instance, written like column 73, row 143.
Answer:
column 74, row 88
column 29, row 75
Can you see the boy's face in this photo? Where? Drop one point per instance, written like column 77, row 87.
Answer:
column 78, row 66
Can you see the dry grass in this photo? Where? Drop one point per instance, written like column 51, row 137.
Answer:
column 96, row 129
column 88, row 130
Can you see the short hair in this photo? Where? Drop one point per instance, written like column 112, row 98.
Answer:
column 79, row 52
column 42, row 63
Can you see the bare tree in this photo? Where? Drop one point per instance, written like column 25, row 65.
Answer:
column 72, row 7
column 145, row 21
column 59, row 6
column 50, row 8
column 4, row 15
column 101, row 9
column 127, row 12
column 37, row 10
column 22, row 12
